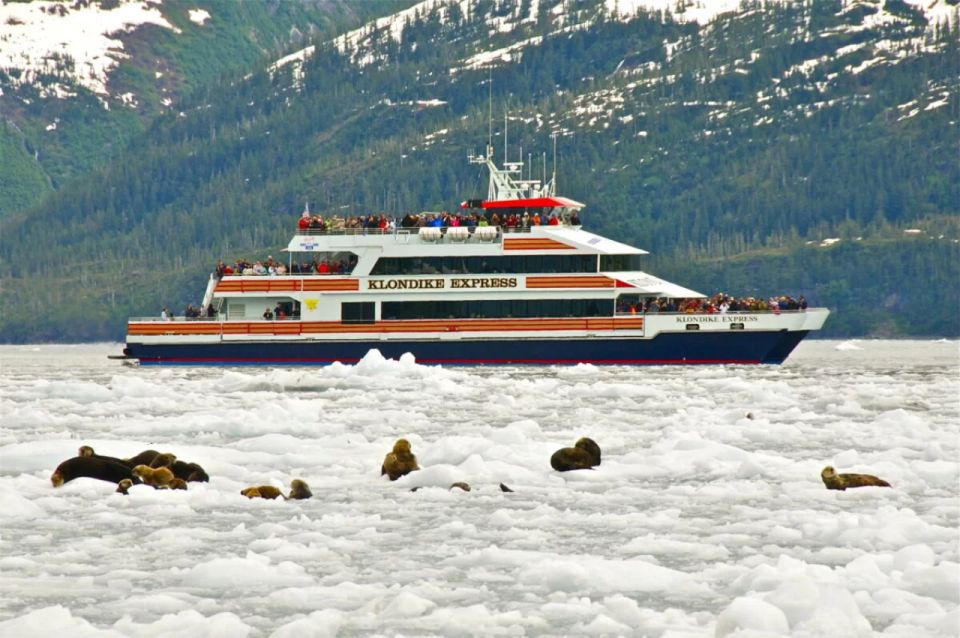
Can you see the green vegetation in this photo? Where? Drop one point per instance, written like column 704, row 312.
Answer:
column 719, row 158
column 22, row 183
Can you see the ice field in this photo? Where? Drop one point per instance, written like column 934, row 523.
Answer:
column 699, row 522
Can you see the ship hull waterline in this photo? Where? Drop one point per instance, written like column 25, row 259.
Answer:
column 753, row 347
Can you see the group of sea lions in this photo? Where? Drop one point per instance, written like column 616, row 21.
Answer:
column 159, row 470
column 166, row 471
column 156, row 469
column 298, row 490
column 584, row 455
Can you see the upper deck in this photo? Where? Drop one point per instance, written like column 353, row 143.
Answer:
column 460, row 240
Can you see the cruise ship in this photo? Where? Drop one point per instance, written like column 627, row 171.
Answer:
column 487, row 285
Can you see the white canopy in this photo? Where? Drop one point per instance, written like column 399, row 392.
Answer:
column 648, row 285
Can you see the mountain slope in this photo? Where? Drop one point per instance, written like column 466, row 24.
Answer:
column 802, row 140
column 79, row 80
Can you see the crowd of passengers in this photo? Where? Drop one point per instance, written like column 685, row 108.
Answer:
column 382, row 223
column 717, row 304
column 269, row 266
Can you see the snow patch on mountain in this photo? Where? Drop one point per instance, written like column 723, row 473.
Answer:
column 362, row 42
column 77, row 44
column 199, row 16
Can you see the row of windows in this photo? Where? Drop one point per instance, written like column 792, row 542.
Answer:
column 489, row 265
column 504, row 264
column 496, row 308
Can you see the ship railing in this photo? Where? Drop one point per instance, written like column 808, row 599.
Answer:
column 216, row 319
column 287, row 274
column 627, row 313
column 444, row 230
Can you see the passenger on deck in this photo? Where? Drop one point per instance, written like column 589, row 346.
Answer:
column 535, row 220
column 575, row 219
column 268, row 314
column 165, row 314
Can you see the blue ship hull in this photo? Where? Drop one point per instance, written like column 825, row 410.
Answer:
column 669, row 348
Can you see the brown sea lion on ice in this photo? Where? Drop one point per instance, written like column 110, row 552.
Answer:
column 90, row 467
column 164, row 460
column 262, row 491
column 191, row 472
column 159, row 477
column 299, row 490
column 584, row 455
column 399, row 462
column 835, row 481
column 123, row 486
column 144, row 458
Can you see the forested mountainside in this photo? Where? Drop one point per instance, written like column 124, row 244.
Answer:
column 797, row 147
column 80, row 78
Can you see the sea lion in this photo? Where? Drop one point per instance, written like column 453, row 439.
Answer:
column 835, row 481
column 504, row 488
column 163, row 460
column 123, row 486
column 399, row 462
column 584, row 455
column 90, row 467
column 158, row 477
column 262, row 491
column 190, row 472
column 144, row 458
column 299, row 490
column 177, row 484
column 463, row 486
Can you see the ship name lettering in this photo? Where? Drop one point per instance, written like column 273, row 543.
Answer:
column 404, row 284
column 716, row 318
column 486, row 282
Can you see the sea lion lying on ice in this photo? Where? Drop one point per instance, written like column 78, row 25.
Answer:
column 262, row 491
column 835, row 481
column 584, row 455
column 90, row 467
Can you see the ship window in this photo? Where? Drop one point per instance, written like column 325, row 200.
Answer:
column 497, row 308
column 488, row 265
column 362, row 312
column 236, row 311
column 613, row 263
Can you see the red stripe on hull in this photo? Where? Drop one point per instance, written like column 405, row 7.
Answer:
column 466, row 361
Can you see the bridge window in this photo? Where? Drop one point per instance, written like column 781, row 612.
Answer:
column 614, row 263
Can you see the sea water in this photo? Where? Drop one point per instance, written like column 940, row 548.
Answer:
column 707, row 516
